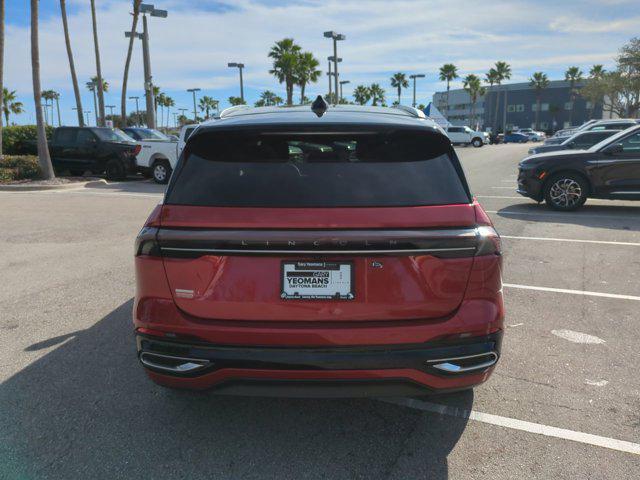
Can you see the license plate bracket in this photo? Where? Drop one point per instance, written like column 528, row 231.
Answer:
column 314, row 280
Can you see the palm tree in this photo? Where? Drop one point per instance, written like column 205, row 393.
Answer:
column 9, row 104
column 234, row 101
column 491, row 77
column 72, row 66
column 448, row 73
column 49, row 96
column 399, row 81
column 377, row 94
column 100, row 113
column 168, row 103
column 307, row 72
column 503, row 72
column 1, row 66
column 43, row 149
column 160, row 101
column 91, row 86
column 127, row 62
column 596, row 73
column 206, row 104
column 539, row 81
column 362, row 94
column 155, row 91
column 286, row 55
column 572, row 75
column 268, row 99
column 473, row 85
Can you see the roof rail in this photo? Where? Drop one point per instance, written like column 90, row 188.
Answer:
column 227, row 111
column 411, row 111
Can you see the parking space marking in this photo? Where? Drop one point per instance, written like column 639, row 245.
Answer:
column 572, row 292
column 522, row 425
column 499, row 196
column 560, row 214
column 572, row 240
column 505, row 188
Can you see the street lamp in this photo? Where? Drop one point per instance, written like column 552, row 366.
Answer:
column 330, row 73
column 342, row 82
column 87, row 112
column 417, row 75
column 137, row 110
column 239, row 66
column 195, row 113
column 335, row 37
column 147, row 8
column 110, row 107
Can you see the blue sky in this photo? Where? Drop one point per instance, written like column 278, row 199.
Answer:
column 192, row 46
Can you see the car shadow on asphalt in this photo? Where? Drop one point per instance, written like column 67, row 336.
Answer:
column 87, row 410
column 616, row 217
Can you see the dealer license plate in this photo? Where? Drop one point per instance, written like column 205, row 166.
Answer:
column 317, row 280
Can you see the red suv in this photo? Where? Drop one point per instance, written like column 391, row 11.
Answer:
column 319, row 252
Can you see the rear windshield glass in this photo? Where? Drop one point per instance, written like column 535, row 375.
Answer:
column 318, row 169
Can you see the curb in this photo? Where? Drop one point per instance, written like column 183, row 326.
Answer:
column 25, row 187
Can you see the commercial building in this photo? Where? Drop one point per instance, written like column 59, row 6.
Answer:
column 556, row 108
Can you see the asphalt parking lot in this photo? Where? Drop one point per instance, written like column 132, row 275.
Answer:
column 564, row 401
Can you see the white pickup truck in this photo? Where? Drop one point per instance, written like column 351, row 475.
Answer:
column 159, row 154
column 466, row 136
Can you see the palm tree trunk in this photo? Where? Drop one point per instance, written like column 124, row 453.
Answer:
column 43, row 148
column 123, row 99
column 72, row 66
column 399, row 91
column 58, row 109
column 302, row 85
column 447, row 99
column 537, row 112
column 100, row 114
column 1, row 66
column 95, row 105
column 571, row 99
column 495, row 113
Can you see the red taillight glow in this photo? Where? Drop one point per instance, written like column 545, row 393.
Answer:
column 136, row 150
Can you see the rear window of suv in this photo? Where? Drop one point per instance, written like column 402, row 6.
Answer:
column 278, row 168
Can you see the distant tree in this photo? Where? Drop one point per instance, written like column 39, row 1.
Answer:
column 52, row 96
column 206, row 104
column 234, row 101
column 492, row 78
column 307, row 71
column 473, row 86
column 539, row 81
column 573, row 75
column 377, row 94
column 92, row 87
column 362, row 94
column 503, row 72
column 593, row 91
column 399, row 81
column 10, row 104
column 285, row 54
column 448, row 73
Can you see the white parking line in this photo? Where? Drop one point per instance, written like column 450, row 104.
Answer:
column 515, row 424
column 500, row 196
column 572, row 240
column 561, row 214
column 572, row 292
column 505, row 188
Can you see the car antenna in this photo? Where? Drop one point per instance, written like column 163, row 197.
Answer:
column 319, row 106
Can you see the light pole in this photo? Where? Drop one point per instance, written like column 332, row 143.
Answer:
column 195, row 112
column 182, row 110
column 137, row 110
column 239, row 66
column 329, row 73
column 413, row 77
column 175, row 119
column 332, row 59
column 87, row 112
column 147, row 8
column 342, row 82
column 110, row 107
column 335, row 37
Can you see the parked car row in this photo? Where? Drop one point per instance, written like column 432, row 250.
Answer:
column 580, row 169
column 466, row 136
column 592, row 125
column 117, row 153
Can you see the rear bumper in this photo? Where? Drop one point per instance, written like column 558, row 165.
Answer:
column 426, row 368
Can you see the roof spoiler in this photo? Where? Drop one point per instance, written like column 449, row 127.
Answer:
column 227, row 111
column 411, row 111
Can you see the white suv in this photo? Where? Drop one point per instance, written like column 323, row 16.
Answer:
column 466, row 136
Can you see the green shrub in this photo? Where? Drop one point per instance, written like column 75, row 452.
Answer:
column 22, row 139
column 19, row 168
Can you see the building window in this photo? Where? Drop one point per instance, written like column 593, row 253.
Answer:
column 534, row 107
column 520, row 108
column 511, row 108
column 544, row 107
column 568, row 105
column 566, row 124
column 589, row 105
column 544, row 125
